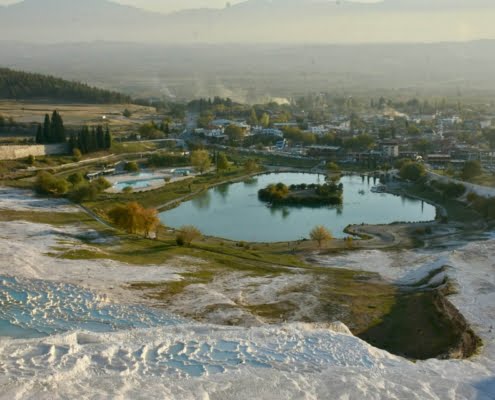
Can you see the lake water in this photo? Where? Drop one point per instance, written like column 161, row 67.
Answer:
column 233, row 211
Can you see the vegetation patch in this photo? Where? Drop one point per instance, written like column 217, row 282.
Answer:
column 423, row 325
column 303, row 195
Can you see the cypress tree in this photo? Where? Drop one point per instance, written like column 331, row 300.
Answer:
column 84, row 140
column 39, row 135
column 93, row 143
column 108, row 138
column 57, row 127
column 47, row 131
column 100, row 138
column 72, row 142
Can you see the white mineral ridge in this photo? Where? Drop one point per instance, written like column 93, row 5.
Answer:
column 200, row 361
column 25, row 200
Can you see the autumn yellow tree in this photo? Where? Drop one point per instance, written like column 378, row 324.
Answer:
column 320, row 234
column 133, row 218
column 187, row 234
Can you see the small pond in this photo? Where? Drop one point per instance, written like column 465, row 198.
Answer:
column 233, row 211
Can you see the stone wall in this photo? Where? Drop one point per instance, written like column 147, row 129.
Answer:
column 17, row 152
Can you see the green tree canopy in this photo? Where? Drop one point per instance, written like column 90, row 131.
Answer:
column 200, row 159
column 222, row 162
column 412, row 171
column 471, row 170
column 235, row 133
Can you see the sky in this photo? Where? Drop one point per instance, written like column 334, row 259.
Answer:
column 167, row 6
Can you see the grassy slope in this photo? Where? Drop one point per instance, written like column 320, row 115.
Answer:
column 371, row 308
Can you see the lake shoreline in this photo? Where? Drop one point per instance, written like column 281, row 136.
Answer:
column 258, row 211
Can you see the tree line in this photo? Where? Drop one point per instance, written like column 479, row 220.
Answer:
column 24, row 85
column 52, row 130
column 91, row 140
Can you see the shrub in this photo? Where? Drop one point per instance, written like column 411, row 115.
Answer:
column 76, row 178
column 84, row 192
column 251, row 166
column 187, row 234
column 46, row 183
column 77, row 155
column 472, row 197
column 167, row 160
column 127, row 190
column 101, row 184
column 132, row 167
column 450, row 190
column 471, row 170
column 412, row 171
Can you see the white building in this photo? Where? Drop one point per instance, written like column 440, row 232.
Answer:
column 390, row 149
column 319, row 130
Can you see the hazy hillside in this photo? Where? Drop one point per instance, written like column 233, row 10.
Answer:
column 260, row 21
column 21, row 85
column 257, row 48
column 248, row 72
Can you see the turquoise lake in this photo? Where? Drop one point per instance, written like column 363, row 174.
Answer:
column 233, row 211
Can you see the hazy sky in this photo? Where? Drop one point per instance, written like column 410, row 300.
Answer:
column 174, row 5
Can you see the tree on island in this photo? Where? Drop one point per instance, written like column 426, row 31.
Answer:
column 200, row 159
column 320, row 234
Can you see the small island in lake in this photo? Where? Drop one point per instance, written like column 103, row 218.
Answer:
column 303, row 194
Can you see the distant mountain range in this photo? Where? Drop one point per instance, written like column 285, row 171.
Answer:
column 253, row 21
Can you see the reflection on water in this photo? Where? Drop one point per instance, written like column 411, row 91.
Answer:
column 233, row 211
column 202, row 201
column 223, row 190
column 251, row 182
